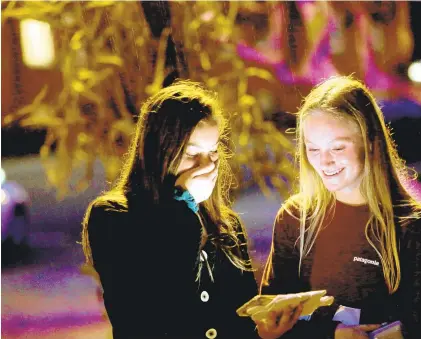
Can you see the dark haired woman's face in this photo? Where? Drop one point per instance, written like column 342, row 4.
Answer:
column 202, row 152
column 335, row 150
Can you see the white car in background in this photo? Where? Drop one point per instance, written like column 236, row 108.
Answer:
column 15, row 204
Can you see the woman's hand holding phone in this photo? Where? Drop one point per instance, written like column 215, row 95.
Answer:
column 273, row 324
column 276, row 314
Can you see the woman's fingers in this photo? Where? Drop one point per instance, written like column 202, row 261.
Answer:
column 204, row 169
column 368, row 328
column 297, row 313
column 354, row 332
column 260, row 316
column 209, row 175
column 199, row 170
column 289, row 317
column 208, row 172
column 273, row 324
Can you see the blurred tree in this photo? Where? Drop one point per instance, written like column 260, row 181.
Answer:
column 112, row 55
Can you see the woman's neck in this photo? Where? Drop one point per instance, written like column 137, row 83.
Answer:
column 351, row 198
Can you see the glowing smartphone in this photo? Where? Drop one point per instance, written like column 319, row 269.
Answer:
column 258, row 300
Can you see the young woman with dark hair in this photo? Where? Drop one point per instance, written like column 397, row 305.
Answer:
column 170, row 252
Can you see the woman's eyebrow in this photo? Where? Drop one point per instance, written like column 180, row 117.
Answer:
column 199, row 146
column 343, row 139
column 333, row 140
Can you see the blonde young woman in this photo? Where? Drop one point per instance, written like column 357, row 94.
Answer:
column 353, row 228
column 170, row 252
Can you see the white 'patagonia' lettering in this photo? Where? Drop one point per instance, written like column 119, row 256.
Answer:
column 366, row 261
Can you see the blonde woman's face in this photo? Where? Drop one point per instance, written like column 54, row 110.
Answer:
column 335, row 149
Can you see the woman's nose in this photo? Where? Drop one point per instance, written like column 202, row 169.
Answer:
column 207, row 160
column 325, row 159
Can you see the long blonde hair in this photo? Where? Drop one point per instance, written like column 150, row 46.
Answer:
column 381, row 185
column 165, row 124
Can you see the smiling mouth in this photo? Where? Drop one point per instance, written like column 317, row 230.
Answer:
column 332, row 173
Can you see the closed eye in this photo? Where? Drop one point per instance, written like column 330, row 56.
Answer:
column 194, row 155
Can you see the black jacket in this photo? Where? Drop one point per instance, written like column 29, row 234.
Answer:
column 148, row 260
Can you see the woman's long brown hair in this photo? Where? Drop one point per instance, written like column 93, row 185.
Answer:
column 165, row 124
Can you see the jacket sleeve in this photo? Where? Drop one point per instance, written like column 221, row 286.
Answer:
column 157, row 264
column 409, row 293
column 282, row 276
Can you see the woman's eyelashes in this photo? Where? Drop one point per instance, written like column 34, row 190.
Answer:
column 334, row 149
column 193, row 155
column 190, row 155
column 310, row 149
column 338, row 148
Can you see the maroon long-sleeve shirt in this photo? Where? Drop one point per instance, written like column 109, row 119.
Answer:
column 348, row 267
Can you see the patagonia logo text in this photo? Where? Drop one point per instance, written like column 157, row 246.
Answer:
column 367, row 261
